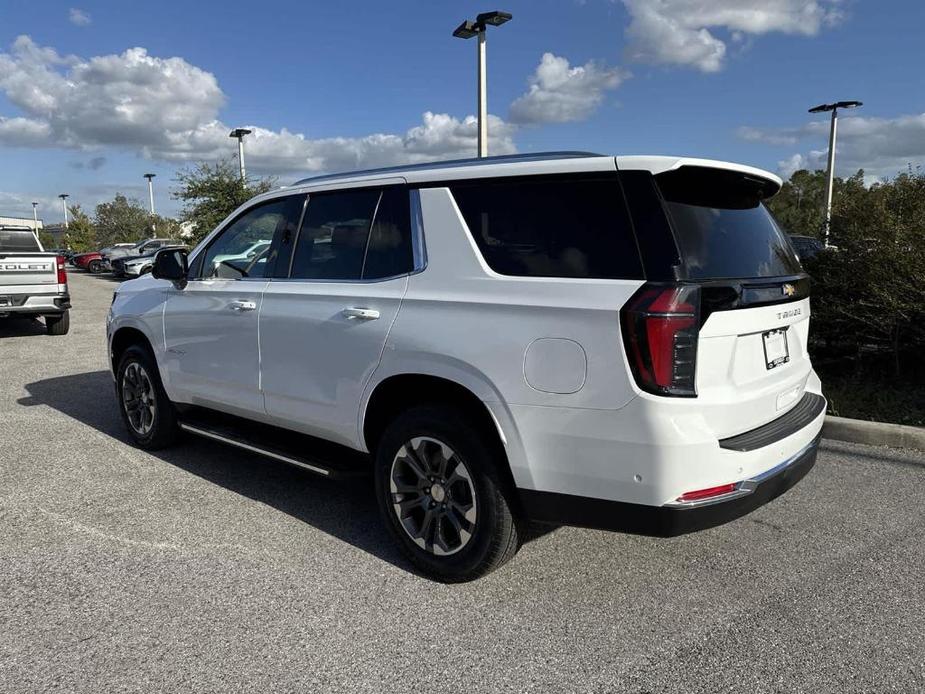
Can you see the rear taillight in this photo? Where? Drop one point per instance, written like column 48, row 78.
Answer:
column 660, row 327
column 62, row 273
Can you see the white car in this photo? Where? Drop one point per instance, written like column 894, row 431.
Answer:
column 611, row 342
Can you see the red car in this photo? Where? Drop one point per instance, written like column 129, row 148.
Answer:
column 91, row 261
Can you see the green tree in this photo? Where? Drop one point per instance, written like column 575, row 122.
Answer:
column 210, row 192
column 122, row 219
column 868, row 292
column 167, row 228
column 81, row 233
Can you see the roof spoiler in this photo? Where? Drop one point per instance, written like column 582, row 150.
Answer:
column 767, row 183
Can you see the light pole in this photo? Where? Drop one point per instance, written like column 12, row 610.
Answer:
column 830, row 171
column 468, row 30
column 35, row 220
column 240, row 133
column 64, row 197
column 150, row 177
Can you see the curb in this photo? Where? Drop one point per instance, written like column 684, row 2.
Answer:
column 873, row 433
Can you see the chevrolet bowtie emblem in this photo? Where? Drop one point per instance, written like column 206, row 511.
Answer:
column 789, row 290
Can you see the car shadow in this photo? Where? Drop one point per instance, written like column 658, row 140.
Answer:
column 345, row 510
column 21, row 327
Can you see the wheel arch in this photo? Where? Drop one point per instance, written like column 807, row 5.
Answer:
column 401, row 391
column 123, row 338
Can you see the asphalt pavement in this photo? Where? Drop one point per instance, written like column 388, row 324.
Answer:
column 203, row 568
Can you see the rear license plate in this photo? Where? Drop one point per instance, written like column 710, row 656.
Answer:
column 776, row 351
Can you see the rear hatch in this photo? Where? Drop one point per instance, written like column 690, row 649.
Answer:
column 738, row 282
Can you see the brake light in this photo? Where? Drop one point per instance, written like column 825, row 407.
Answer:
column 660, row 328
column 708, row 493
column 62, row 273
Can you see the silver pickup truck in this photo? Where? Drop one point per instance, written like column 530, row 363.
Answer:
column 32, row 283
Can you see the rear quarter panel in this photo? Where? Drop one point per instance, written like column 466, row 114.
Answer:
column 462, row 321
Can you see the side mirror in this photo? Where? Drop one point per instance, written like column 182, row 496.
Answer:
column 170, row 264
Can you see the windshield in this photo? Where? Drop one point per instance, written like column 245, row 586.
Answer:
column 18, row 241
column 722, row 227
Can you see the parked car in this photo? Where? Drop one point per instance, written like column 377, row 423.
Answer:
column 806, row 246
column 135, row 267
column 90, row 261
column 33, row 283
column 140, row 248
column 609, row 342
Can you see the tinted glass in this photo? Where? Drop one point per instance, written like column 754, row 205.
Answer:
column 243, row 248
column 551, row 226
column 389, row 250
column 21, row 241
column 332, row 241
column 723, row 229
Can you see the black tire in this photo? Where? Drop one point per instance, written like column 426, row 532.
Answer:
column 495, row 532
column 58, row 324
column 95, row 267
column 158, row 428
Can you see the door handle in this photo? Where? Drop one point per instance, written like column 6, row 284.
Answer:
column 241, row 305
column 360, row 313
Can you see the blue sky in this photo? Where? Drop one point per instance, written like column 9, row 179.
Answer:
column 340, row 85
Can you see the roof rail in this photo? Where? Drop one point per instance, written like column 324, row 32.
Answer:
column 453, row 163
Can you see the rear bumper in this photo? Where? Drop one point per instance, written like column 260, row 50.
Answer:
column 34, row 304
column 671, row 519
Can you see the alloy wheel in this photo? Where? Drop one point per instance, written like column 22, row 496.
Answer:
column 433, row 496
column 138, row 398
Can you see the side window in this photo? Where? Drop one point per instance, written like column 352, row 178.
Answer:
column 334, row 234
column 389, row 250
column 575, row 226
column 243, row 247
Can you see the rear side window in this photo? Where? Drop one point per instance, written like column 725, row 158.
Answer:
column 18, row 241
column 332, row 241
column 723, row 229
column 355, row 234
column 389, row 251
column 551, row 226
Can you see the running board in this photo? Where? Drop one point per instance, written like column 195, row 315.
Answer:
column 306, row 452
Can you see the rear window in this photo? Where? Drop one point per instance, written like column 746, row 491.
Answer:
column 723, row 229
column 18, row 241
column 551, row 226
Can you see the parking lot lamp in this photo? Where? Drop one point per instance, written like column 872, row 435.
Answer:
column 240, row 133
column 150, row 177
column 64, row 197
column 35, row 219
column 467, row 30
column 830, row 171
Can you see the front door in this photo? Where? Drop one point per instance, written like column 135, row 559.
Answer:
column 210, row 325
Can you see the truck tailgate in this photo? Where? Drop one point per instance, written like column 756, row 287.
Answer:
column 27, row 270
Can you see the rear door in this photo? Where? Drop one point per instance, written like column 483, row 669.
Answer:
column 752, row 364
column 210, row 325
column 324, row 321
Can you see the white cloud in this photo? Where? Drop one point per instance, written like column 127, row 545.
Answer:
column 880, row 146
column 682, row 32
column 126, row 99
column 168, row 110
column 439, row 136
column 559, row 93
column 79, row 17
column 24, row 132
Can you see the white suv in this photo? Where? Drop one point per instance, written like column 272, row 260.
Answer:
column 612, row 342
